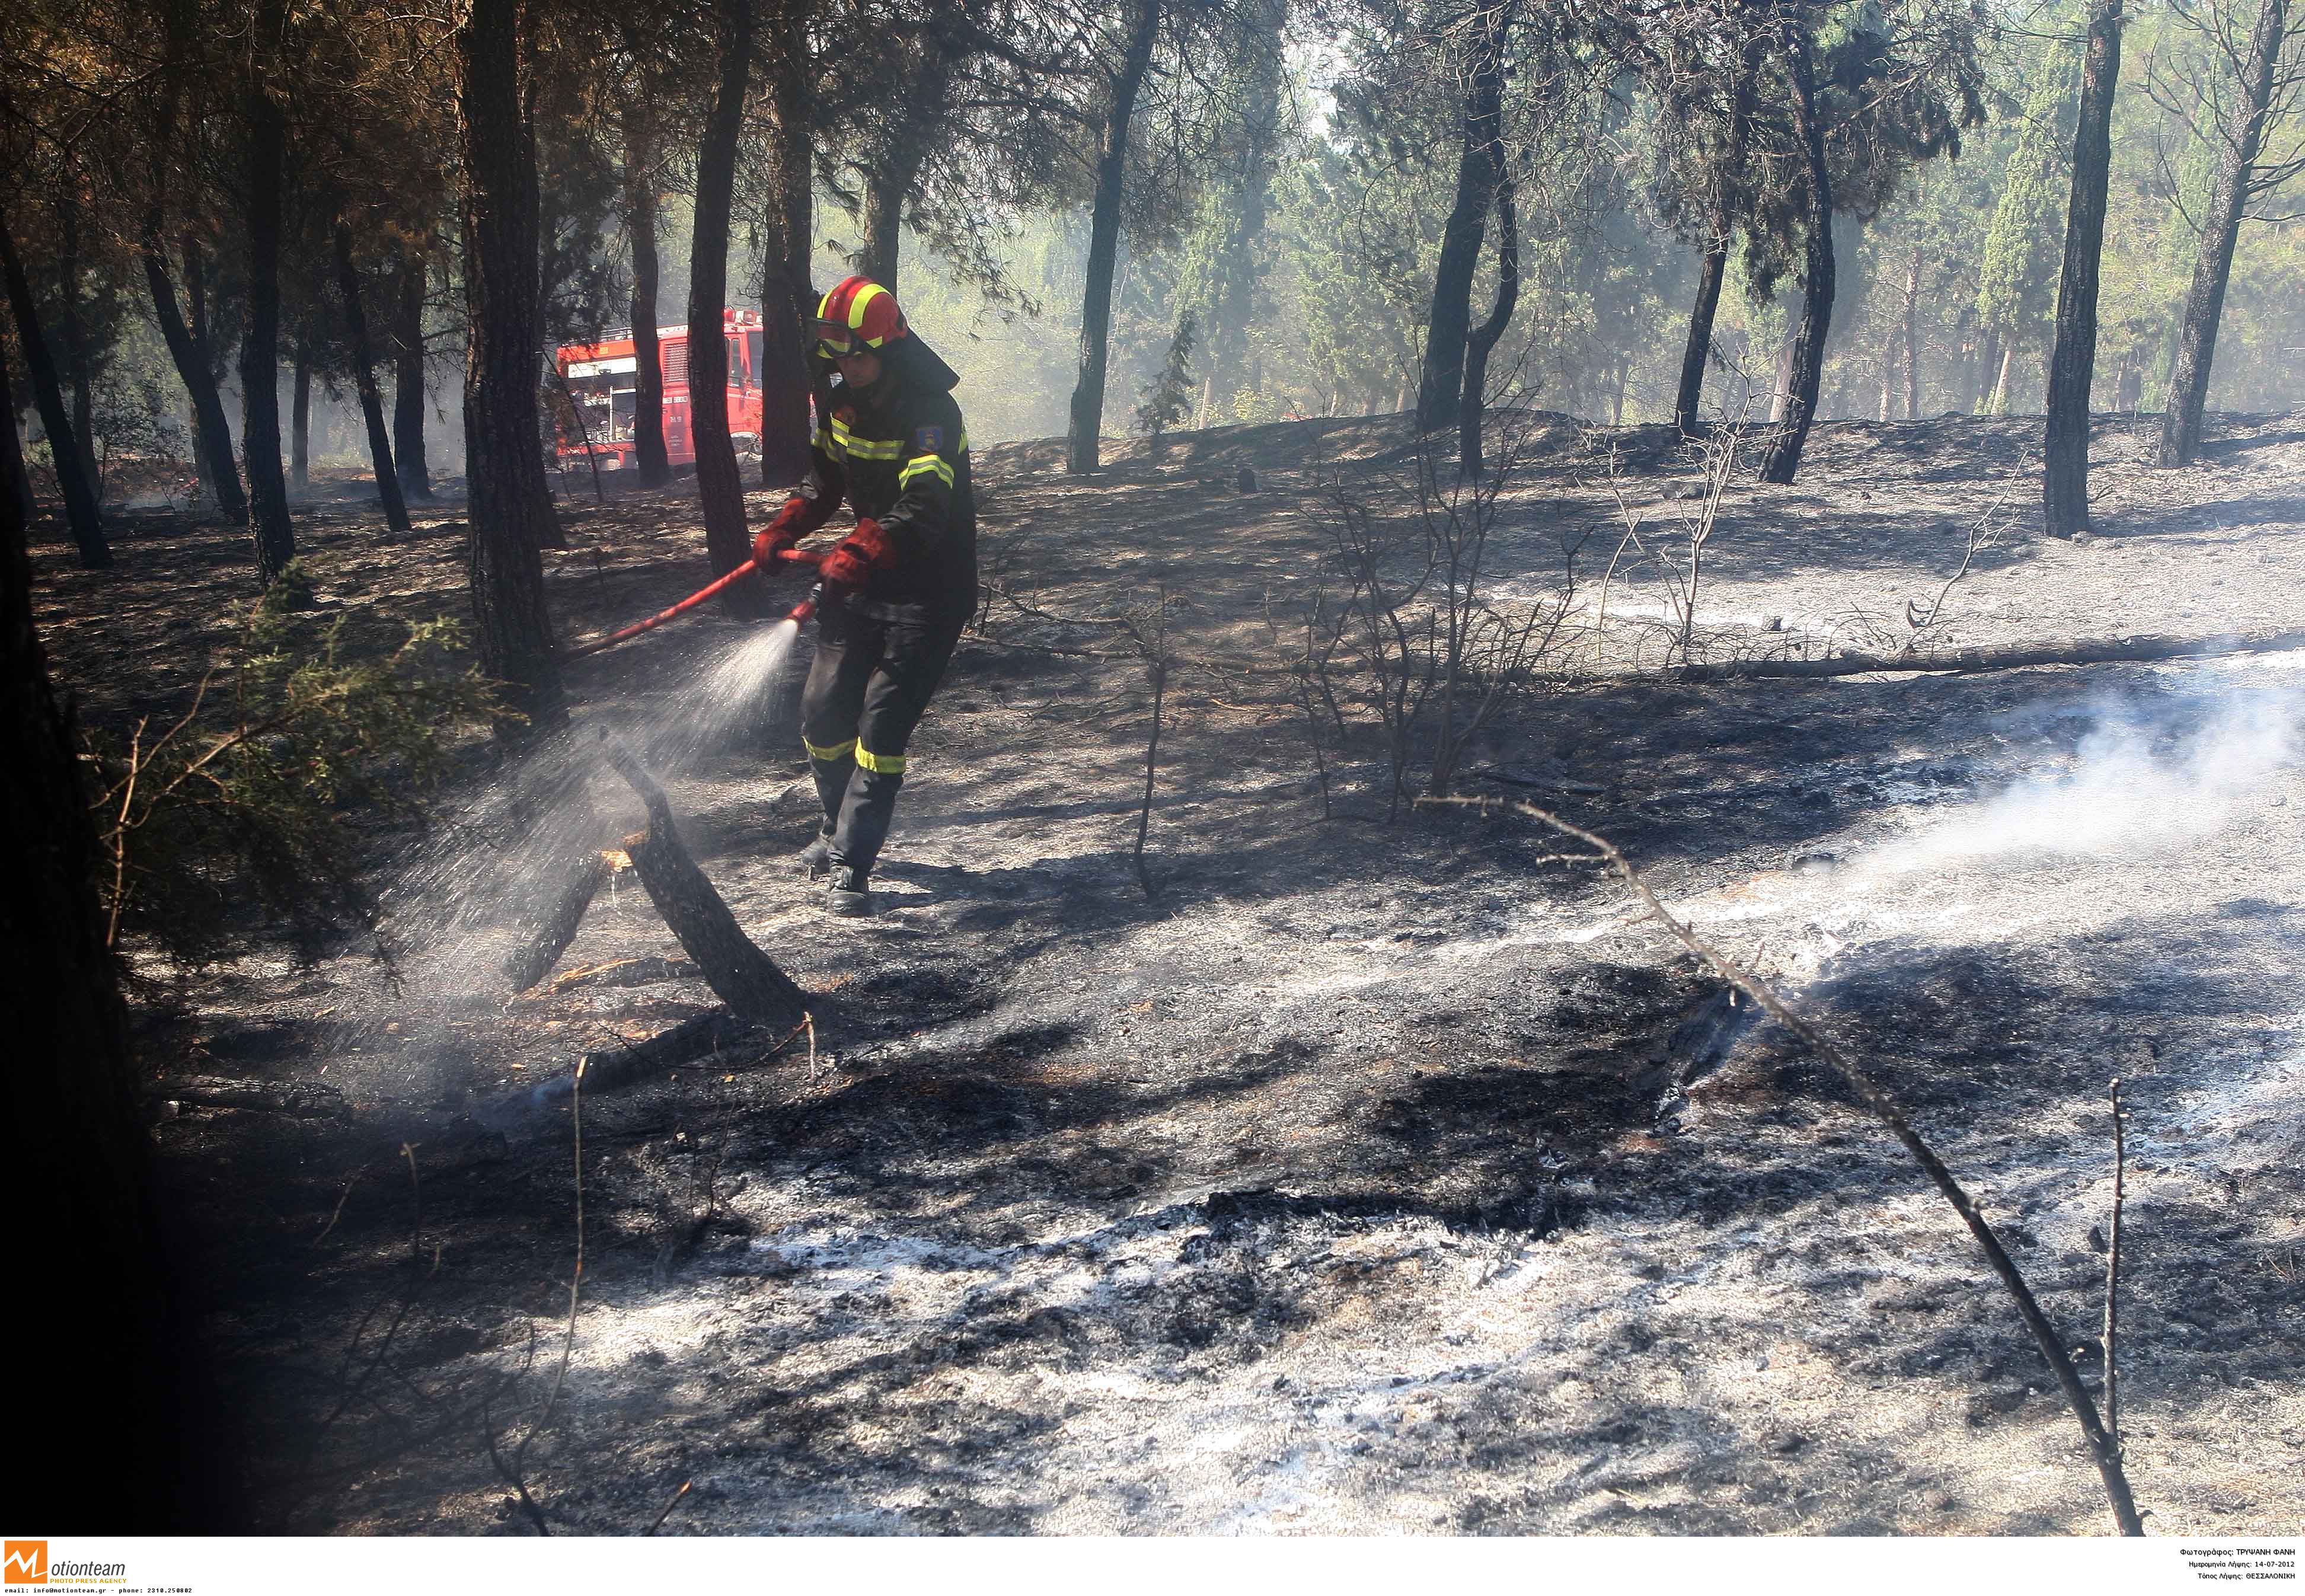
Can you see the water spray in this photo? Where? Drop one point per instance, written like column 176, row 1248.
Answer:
column 800, row 612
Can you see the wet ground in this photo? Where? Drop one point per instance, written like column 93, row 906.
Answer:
column 1367, row 1176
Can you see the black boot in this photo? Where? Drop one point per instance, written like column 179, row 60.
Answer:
column 816, row 858
column 847, row 895
column 832, row 777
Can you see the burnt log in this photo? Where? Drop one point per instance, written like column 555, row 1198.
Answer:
column 550, row 930
column 744, row 978
column 2077, row 651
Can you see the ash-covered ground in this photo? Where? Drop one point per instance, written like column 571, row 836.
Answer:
column 1367, row 1177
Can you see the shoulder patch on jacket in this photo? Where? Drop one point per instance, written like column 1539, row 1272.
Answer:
column 928, row 440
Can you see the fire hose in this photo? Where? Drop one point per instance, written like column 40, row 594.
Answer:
column 800, row 612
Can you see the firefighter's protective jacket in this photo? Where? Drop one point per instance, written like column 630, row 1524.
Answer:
column 898, row 452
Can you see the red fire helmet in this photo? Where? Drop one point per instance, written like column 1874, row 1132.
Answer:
column 857, row 314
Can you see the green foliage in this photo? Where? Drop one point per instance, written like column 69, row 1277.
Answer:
column 1169, row 399
column 256, row 799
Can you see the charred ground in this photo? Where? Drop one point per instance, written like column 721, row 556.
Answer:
column 1369, row 1176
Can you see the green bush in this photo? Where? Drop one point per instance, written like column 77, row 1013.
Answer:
column 254, row 798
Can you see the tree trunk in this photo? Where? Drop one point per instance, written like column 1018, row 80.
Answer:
column 1782, row 461
column 1913, row 338
column 1711, row 274
column 2072, row 362
column 76, row 350
column 1086, row 445
column 211, row 432
column 1482, row 339
column 648, row 453
column 408, row 380
column 80, row 512
column 510, row 503
column 1988, row 374
column 300, row 422
column 1233, row 308
column 371, row 401
column 788, row 298
column 718, row 484
column 109, row 1353
column 1440, row 386
column 2205, row 301
column 259, row 348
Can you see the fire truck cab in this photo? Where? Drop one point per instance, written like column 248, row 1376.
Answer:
column 600, row 387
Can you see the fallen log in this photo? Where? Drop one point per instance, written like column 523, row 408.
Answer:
column 744, row 978
column 2077, row 651
column 610, row 1069
column 547, row 932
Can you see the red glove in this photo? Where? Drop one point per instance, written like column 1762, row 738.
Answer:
column 779, row 534
column 858, row 555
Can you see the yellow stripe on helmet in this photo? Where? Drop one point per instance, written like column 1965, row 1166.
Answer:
column 865, row 296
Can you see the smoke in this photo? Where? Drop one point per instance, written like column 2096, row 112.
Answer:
column 2142, row 777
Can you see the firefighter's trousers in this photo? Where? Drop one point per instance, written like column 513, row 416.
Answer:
column 867, row 689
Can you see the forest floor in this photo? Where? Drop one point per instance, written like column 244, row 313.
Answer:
column 1369, row 1176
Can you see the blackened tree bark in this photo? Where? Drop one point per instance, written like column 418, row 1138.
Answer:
column 371, row 400
column 1085, row 448
column 1712, row 272
column 2205, row 301
column 787, row 297
column 212, row 432
column 300, row 421
column 511, row 504
column 648, row 453
column 1783, row 460
column 259, row 345
column 1482, row 339
column 74, row 327
column 718, row 483
column 108, row 1402
column 80, row 512
column 2073, row 361
column 1440, row 389
column 408, row 378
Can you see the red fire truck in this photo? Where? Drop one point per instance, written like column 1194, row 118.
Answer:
column 600, row 385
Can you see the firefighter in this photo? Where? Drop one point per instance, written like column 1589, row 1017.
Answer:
column 897, row 590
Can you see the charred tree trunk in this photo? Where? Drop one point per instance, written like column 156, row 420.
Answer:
column 300, row 422
column 80, row 512
column 259, row 348
column 1913, row 338
column 718, row 483
column 109, row 1400
column 2072, row 362
column 1440, row 386
column 2205, row 301
column 371, row 400
column 739, row 973
column 1711, row 274
column 1482, row 339
column 511, row 504
column 211, row 431
column 76, row 350
column 788, row 298
column 1084, row 450
column 1988, row 374
column 408, row 459
column 649, row 454
column 1782, row 461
